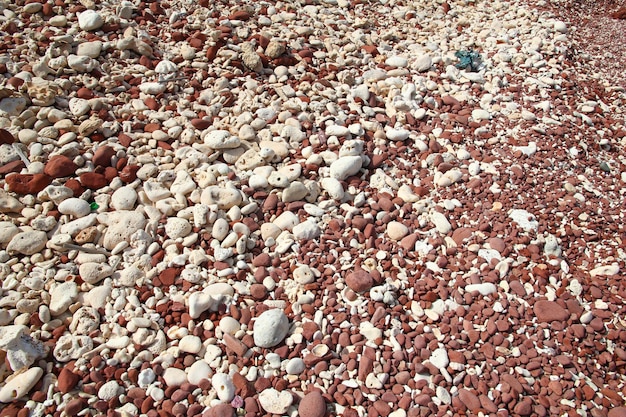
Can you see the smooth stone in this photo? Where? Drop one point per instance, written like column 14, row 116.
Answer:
column 294, row 192
column 79, row 106
column 28, row 243
column 359, row 280
column 175, row 227
column 20, row 384
column 270, row 328
column 607, row 270
column 174, row 377
column 75, row 207
column 312, row 405
column 62, row 296
column 560, row 26
column 81, row 63
column 90, row 20
column 295, row 366
column 275, row 402
column 220, row 229
column 441, row 222
column 109, row 390
column 93, row 272
column 480, row 114
column 90, row 49
column 397, row 61
column 485, row 288
column 198, row 371
column 190, row 344
column 303, row 275
column 76, row 226
column 422, row 63
column 7, row 231
column 337, row 130
column 165, row 67
column 278, row 180
column 124, row 198
column 397, row 135
column 153, row 88
column 9, row 204
column 224, row 386
column 548, row 311
column 286, row 221
column 345, row 167
column 396, row 230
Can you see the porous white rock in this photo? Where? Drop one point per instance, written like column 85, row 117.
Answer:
column 28, row 243
column 225, row 197
column 152, row 87
column 422, row 63
column 7, row 231
column 121, row 225
column 221, row 139
column 224, row 387
column 524, row 219
column 275, row 402
column 480, row 114
column 307, row 230
column 94, row 272
column 303, row 275
column 90, row 20
column 345, row 166
column 441, row 222
column 79, row 106
column 333, row 187
column 75, row 207
column 18, row 385
column 439, row 358
column 270, row 328
column 21, row 349
column 176, row 227
column 9, row 204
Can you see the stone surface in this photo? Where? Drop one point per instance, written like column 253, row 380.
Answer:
column 270, row 328
column 549, row 311
column 312, row 405
column 359, row 280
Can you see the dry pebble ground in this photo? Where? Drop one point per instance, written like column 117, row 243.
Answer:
column 306, row 208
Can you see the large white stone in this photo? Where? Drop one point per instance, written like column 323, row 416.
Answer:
column 275, row 402
column 90, row 20
column 75, row 207
column 224, row 387
column 28, row 243
column 270, row 328
column 345, row 166
column 18, row 385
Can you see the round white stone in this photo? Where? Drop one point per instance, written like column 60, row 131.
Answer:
column 177, row 227
column 174, row 377
column 223, row 386
column 190, row 344
column 198, row 371
column 124, row 198
column 75, row 207
column 90, row 20
column 270, row 328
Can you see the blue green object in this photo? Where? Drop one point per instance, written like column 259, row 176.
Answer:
column 469, row 59
column 94, row 206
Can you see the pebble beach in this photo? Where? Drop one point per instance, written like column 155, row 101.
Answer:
column 313, row 208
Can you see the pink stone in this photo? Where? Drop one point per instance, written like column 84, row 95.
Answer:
column 359, row 280
column 548, row 311
column 312, row 405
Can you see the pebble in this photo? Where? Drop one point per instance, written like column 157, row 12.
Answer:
column 439, row 358
column 75, row 207
column 312, row 405
column 198, row 371
column 359, row 280
column 124, row 198
column 190, row 344
column 295, row 366
column 28, row 243
column 109, row 390
column 20, row 384
column 397, row 230
column 270, row 328
column 549, row 311
column 307, row 230
column 121, row 225
column 174, row 377
column 94, row 272
column 224, row 387
column 62, row 296
column 90, row 20
column 524, row 219
column 275, row 402
column 7, row 231
column 177, row 228
column 441, row 222
column 485, row 288
column 345, row 167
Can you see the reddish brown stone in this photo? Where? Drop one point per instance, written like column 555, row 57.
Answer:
column 359, row 280
column 129, row 173
column 201, row 124
column 60, row 166
column 67, row 380
column 469, row 399
column 619, row 13
column 370, row 49
column 74, row 185
column 124, row 140
column 168, row 276
column 220, row 410
column 312, row 405
column 617, row 412
column 258, row 291
column 524, row 407
column 548, row 311
column 14, row 166
column 110, row 173
column 102, row 156
column 28, row 183
column 6, row 137
column 239, row 15
column 85, row 93
column 93, row 180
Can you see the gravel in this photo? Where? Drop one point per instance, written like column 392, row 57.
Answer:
column 308, row 208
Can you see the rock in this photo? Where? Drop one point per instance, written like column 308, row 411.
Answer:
column 102, row 156
column 62, row 296
column 81, row 63
column 90, row 49
column 295, row 366
column 124, row 198
column 480, row 114
column 28, row 183
column 270, row 328
column 307, row 230
column 75, row 207
column 548, row 311
column 121, row 225
column 220, row 410
column 397, row 61
column 397, row 135
column 312, row 405
column 6, row 137
column 9, row 204
column 345, row 167
column 60, row 166
column 190, row 344
column 359, row 280
column 67, row 380
column 224, row 387
column 79, row 106
column 294, row 192
column 617, row 411
column 485, row 288
column 21, row 349
column 28, row 243
column 18, row 385
column 90, row 20
column 607, row 270
column 225, row 197
column 221, row 139
column 177, row 228
column 94, row 272
column 524, row 219
column 174, row 377
column 422, row 63
column 198, row 371
column 93, row 180
column 70, row 347
column 153, row 88
column 275, row 402
column 470, row 400
column 396, row 230
column 109, row 390
column 333, row 187
column 524, row 407
column 303, row 275
column 560, row 26
column 439, row 358
column 7, row 231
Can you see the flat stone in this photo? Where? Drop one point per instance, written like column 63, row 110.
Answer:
column 469, row 399
column 28, row 243
column 75, row 207
column 549, row 311
column 275, row 402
